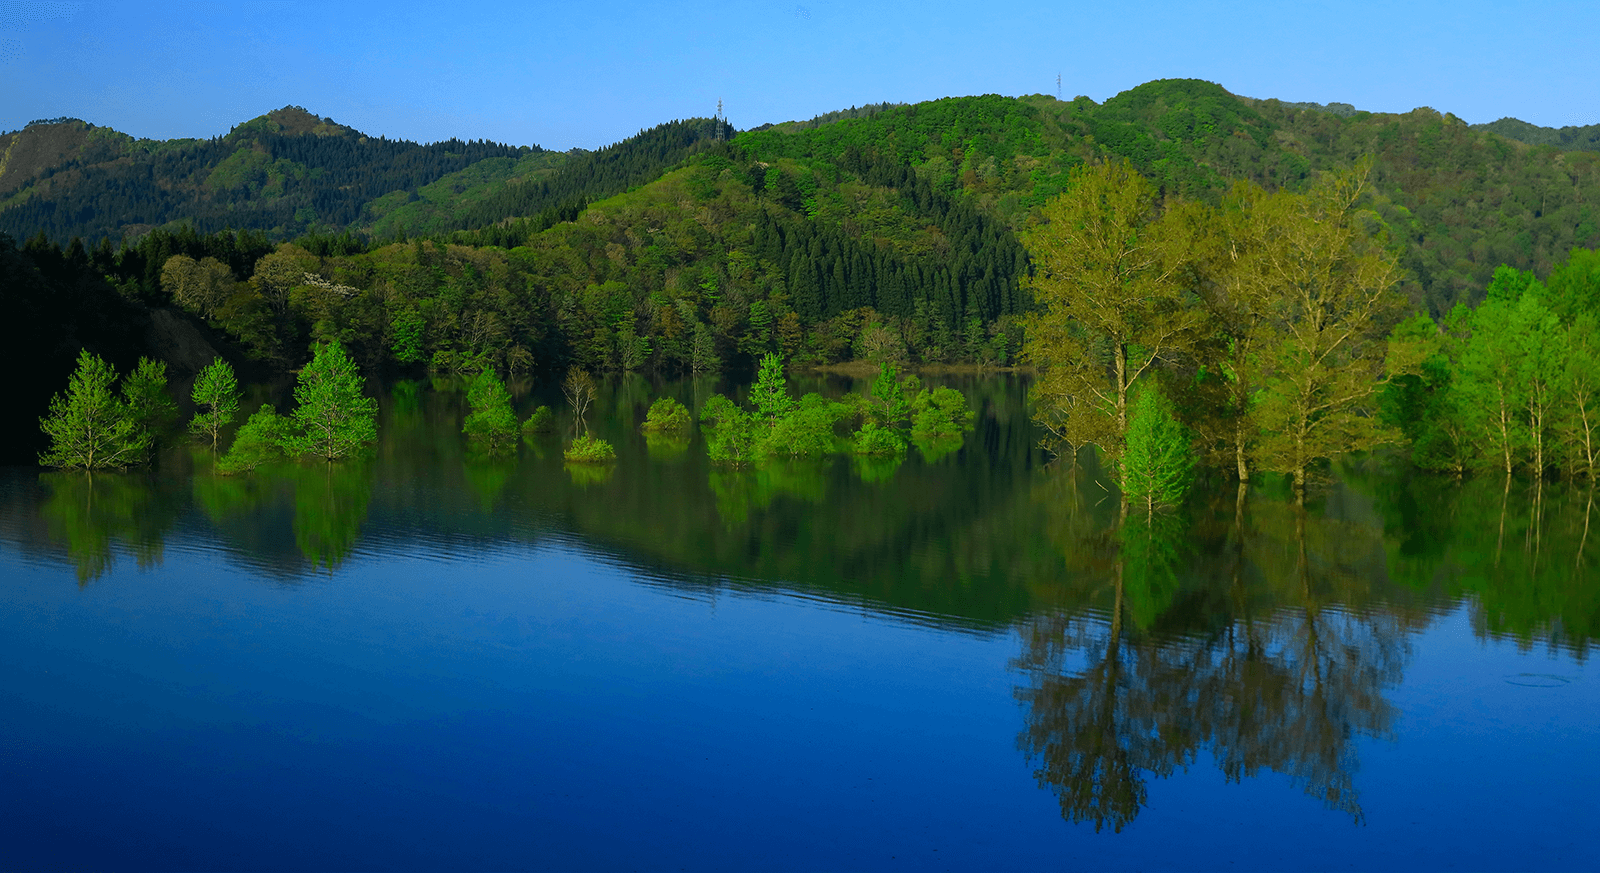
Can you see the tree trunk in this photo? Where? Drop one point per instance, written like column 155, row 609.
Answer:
column 1238, row 452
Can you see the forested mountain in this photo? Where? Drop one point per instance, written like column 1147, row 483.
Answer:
column 888, row 232
column 289, row 172
column 286, row 172
column 1569, row 138
column 1462, row 199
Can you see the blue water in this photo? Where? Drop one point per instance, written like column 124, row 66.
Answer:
column 552, row 706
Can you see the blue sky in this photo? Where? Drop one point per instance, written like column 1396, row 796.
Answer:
column 564, row 75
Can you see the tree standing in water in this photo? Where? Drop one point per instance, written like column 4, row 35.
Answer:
column 89, row 426
column 1108, row 282
column 216, row 398
column 334, row 418
column 1158, row 464
column 491, row 423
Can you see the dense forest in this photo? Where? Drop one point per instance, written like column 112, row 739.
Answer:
column 888, row 233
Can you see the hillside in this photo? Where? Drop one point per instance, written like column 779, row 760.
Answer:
column 1462, row 199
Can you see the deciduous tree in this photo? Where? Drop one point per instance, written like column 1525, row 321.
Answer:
column 216, row 398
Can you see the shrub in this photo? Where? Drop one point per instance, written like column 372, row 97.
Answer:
column 542, row 420
column 260, row 439
column 666, row 414
column 874, row 439
column 806, row 431
column 589, row 449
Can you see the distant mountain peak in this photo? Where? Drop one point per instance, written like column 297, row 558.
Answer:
column 293, row 121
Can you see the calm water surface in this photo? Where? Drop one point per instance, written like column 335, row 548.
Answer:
column 433, row 660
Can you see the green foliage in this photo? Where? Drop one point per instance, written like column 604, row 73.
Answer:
column 260, row 439
column 216, row 398
column 144, row 392
column 407, row 329
column 806, row 431
column 887, row 406
column 716, row 410
column 875, row 439
column 332, row 418
column 666, row 415
column 541, row 420
column 940, row 414
column 1158, row 464
column 770, row 394
column 589, row 449
column 491, row 424
column 733, row 436
column 89, row 426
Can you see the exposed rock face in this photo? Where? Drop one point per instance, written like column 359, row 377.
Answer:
column 179, row 342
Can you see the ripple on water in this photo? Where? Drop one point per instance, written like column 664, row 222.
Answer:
column 1538, row 680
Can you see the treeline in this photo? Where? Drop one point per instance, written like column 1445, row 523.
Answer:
column 1274, row 325
column 258, row 177
column 590, row 176
column 1512, row 384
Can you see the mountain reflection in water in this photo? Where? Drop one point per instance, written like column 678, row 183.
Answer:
column 1244, row 629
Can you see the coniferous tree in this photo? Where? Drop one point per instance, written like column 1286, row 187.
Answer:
column 333, row 419
column 1158, row 463
column 89, row 426
column 491, row 423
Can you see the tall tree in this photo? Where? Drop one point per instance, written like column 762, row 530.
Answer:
column 216, row 398
column 333, row 418
column 89, row 425
column 1321, row 362
column 1108, row 270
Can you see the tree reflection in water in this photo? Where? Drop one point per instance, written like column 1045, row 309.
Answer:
column 1243, row 654
column 87, row 511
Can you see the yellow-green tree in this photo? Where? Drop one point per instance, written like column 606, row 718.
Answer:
column 1109, row 283
column 1324, row 287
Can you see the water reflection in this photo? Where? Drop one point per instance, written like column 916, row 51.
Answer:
column 1264, row 636
column 1261, row 648
column 87, row 512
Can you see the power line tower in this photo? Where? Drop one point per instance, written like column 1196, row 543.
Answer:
column 1058, row 86
column 722, row 121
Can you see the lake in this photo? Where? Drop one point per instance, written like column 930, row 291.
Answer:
column 964, row 660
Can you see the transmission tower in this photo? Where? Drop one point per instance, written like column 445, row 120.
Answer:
column 1058, row 86
column 721, row 121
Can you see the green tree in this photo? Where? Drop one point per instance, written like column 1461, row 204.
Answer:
column 333, row 418
column 1321, row 361
column 491, row 423
column 666, row 415
column 260, row 439
column 770, row 394
column 216, row 398
column 144, row 392
column 89, row 426
column 1578, row 423
column 1158, row 463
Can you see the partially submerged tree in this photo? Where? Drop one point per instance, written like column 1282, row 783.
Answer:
column 89, row 425
column 1323, row 289
column 492, row 423
column 1158, row 463
column 216, row 398
column 260, row 439
column 333, row 418
column 1109, row 266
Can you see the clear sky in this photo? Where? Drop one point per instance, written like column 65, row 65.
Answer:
column 576, row 74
